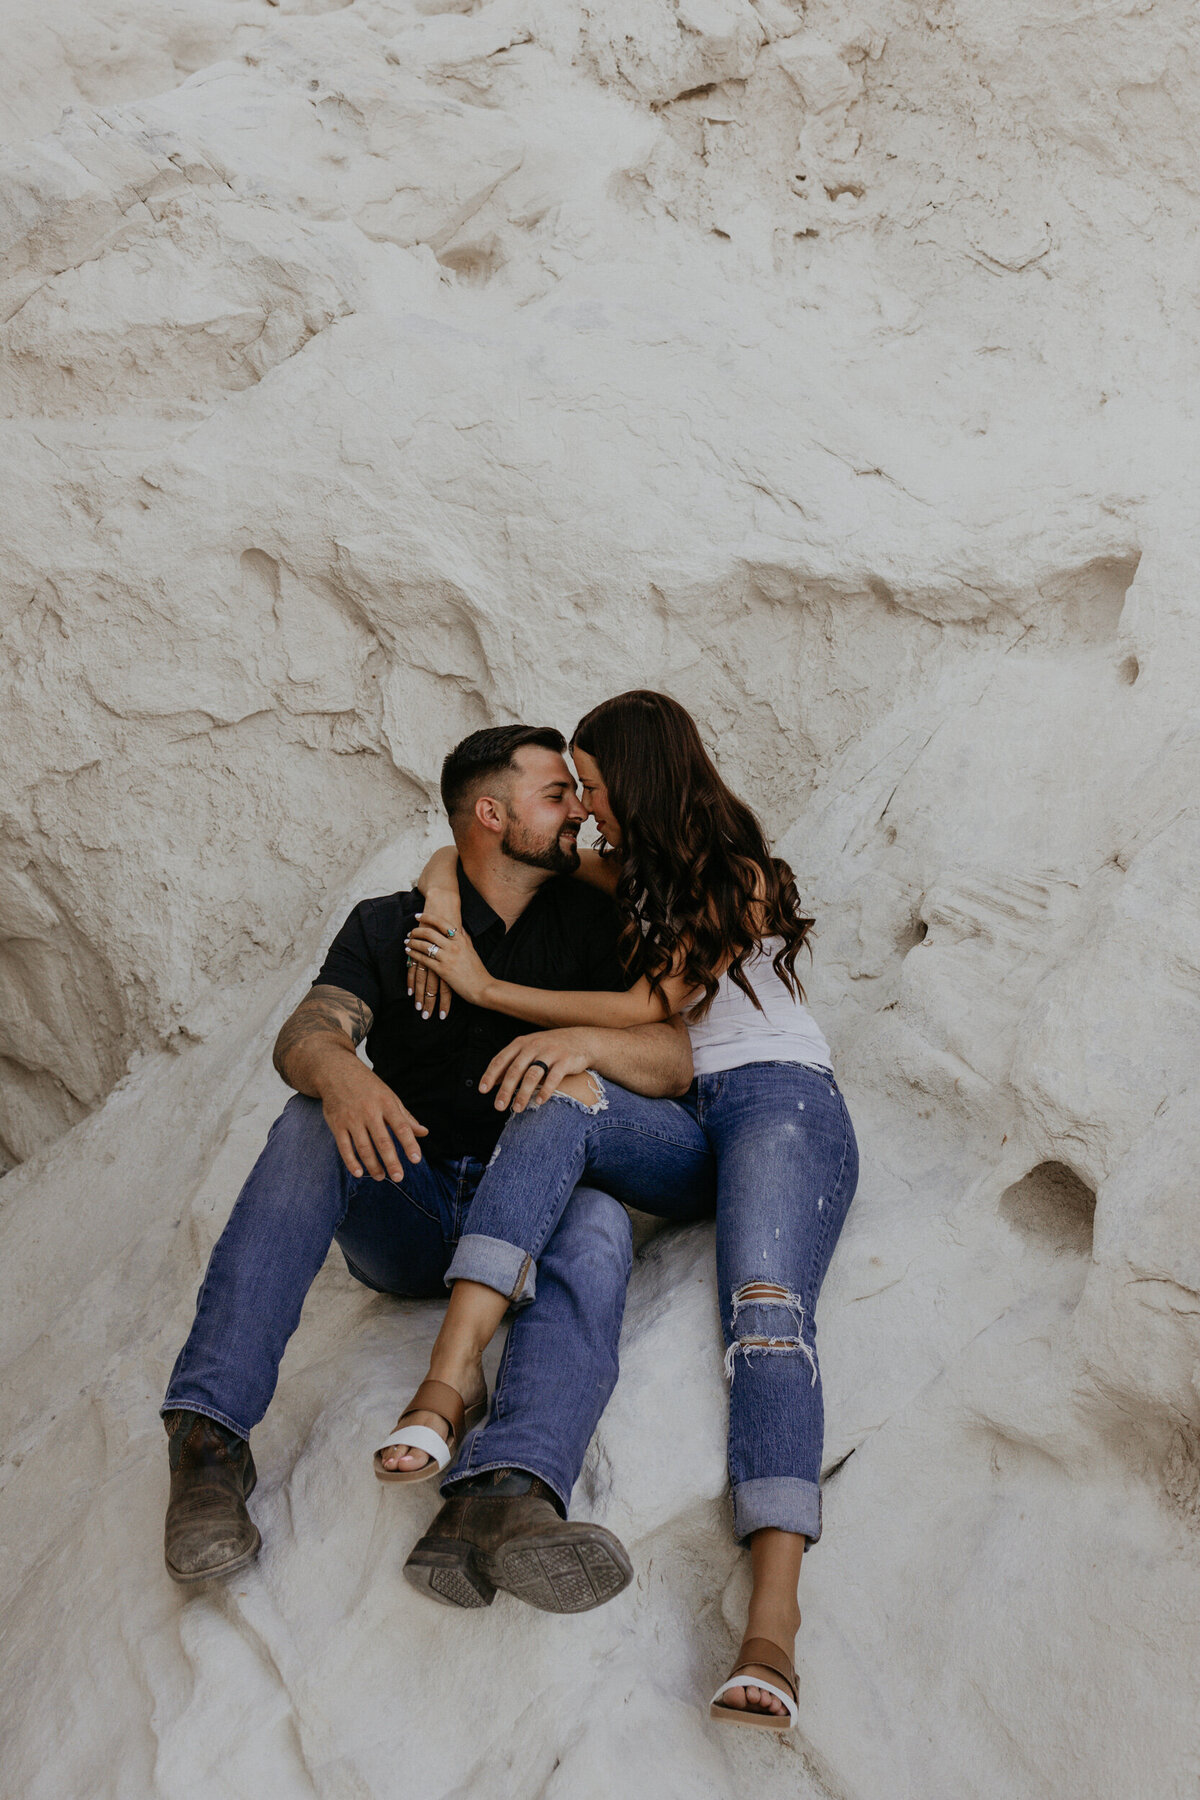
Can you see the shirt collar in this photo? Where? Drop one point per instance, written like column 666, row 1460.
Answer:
column 477, row 915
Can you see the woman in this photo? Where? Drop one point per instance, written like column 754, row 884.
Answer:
column 711, row 928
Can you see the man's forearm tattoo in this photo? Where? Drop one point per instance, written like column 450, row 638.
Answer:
column 325, row 1010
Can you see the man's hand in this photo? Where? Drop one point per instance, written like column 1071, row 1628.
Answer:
column 316, row 1052
column 518, row 1071
column 365, row 1117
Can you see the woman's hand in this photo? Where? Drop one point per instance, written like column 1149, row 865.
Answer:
column 425, row 989
column 438, row 882
column 449, row 955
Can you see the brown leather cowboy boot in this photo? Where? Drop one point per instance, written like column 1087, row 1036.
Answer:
column 518, row 1542
column 209, row 1532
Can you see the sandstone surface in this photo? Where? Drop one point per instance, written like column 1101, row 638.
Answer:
column 372, row 372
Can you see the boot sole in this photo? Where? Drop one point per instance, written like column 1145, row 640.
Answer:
column 450, row 1572
column 566, row 1571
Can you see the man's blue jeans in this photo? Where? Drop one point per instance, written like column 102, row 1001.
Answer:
column 770, row 1149
column 559, row 1365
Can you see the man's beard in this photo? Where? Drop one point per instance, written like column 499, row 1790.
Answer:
column 558, row 854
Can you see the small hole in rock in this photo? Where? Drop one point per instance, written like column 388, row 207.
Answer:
column 1129, row 670
column 1053, row 1208
column 474, row 264
column 910, row 935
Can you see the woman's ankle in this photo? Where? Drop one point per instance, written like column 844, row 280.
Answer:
column 774, row 1619
column 459, row 1366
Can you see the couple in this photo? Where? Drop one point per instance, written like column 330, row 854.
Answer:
column 676, row 1069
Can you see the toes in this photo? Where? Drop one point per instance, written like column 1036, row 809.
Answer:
column 399, row 1456
column 408, row 1459
column 750, row 1697
column 760, row 1701
column 403, row 1456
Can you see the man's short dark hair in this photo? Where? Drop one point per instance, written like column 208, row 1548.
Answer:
column 487, row 753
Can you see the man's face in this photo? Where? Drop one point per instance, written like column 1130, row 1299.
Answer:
column 543, row 812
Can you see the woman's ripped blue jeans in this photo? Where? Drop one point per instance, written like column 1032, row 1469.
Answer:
column 769, row 1149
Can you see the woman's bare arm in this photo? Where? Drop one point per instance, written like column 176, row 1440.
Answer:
column 438, row 881
column 602, row 872
column 549, row 1007
column 456, row 960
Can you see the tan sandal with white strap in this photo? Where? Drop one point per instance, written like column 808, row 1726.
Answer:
column 759, row 1653
column 435, row 1397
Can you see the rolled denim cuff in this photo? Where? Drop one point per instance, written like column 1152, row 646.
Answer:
column 497, row 1264
column 173, row 1404
column 780, row 1501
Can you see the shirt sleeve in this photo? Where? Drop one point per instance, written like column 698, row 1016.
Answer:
column 350, row 963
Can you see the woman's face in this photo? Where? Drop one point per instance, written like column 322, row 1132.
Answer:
column 595, row 797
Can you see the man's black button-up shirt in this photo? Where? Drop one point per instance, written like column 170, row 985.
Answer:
column 565, row 938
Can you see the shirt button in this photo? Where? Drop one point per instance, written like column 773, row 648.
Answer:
column 468, row 1082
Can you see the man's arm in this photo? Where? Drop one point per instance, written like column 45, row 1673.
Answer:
column 655, row 1060
column 316, row 1052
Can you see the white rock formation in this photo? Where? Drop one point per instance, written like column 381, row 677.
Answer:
column 374, row 372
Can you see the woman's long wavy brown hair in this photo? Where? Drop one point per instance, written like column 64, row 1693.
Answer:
column 699, row 888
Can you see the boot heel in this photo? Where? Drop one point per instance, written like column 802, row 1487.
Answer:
column 449, row 1574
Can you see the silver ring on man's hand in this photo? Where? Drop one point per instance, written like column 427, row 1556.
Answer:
column 535, row 1062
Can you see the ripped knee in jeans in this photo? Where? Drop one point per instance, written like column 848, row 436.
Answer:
column 585, row 1091
column 770, row 1299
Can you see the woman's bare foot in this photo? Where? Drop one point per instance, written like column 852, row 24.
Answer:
column 468, row 1381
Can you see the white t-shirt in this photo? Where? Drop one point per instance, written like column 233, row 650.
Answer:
column 735, row 1033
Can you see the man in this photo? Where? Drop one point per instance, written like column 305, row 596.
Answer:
column 385, row 1162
